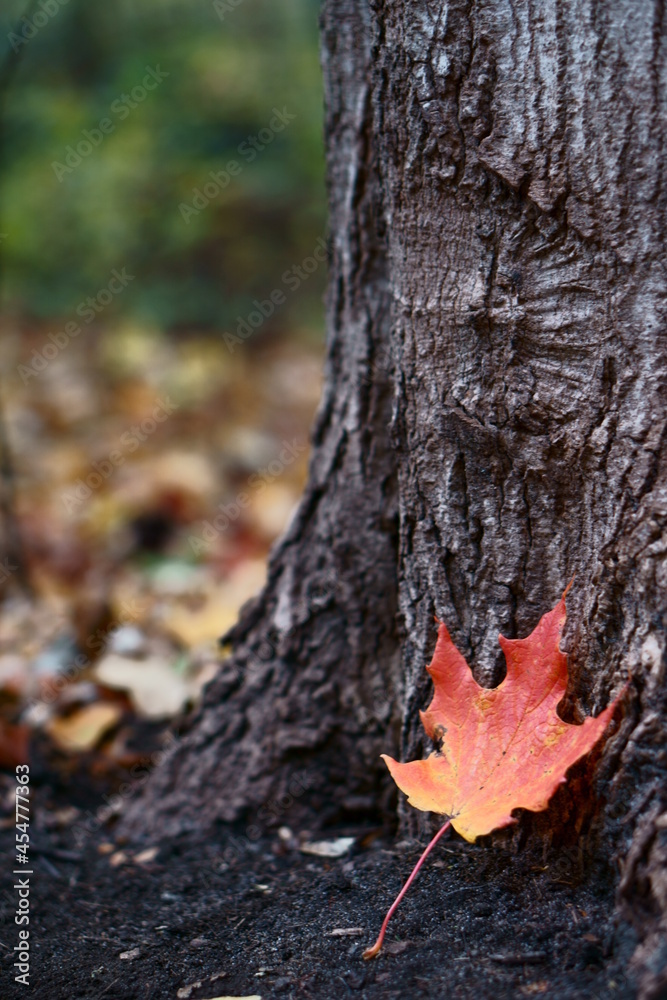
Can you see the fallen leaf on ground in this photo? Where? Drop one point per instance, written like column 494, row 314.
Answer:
column 502, row 748
column 82, row 730
column 272, row 508
column 499, row 749
column 13, row 744
column 155, row 689
column 328, row 848
column 13, row 675
column 221, row 607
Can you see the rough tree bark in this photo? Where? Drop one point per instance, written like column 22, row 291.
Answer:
column 492, row 424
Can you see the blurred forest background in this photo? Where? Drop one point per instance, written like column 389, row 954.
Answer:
column 162, row 225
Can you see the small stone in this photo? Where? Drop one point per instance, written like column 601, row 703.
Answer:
column 144, row 857
column 130, row 955
column 328, row 848
column 185, row 991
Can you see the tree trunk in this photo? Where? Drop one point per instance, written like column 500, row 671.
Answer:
column 492, row 423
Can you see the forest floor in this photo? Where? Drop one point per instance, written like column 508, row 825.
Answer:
column 107, row 651
column 223, row 917
column 150, row 477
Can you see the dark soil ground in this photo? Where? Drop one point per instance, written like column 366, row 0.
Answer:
column 224, row 917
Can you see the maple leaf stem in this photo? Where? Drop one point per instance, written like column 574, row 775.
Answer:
column 372, row 952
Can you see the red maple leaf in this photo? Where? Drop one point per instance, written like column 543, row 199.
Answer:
column 500, row 748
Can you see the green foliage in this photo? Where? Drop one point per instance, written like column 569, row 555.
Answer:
column 119, row 207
